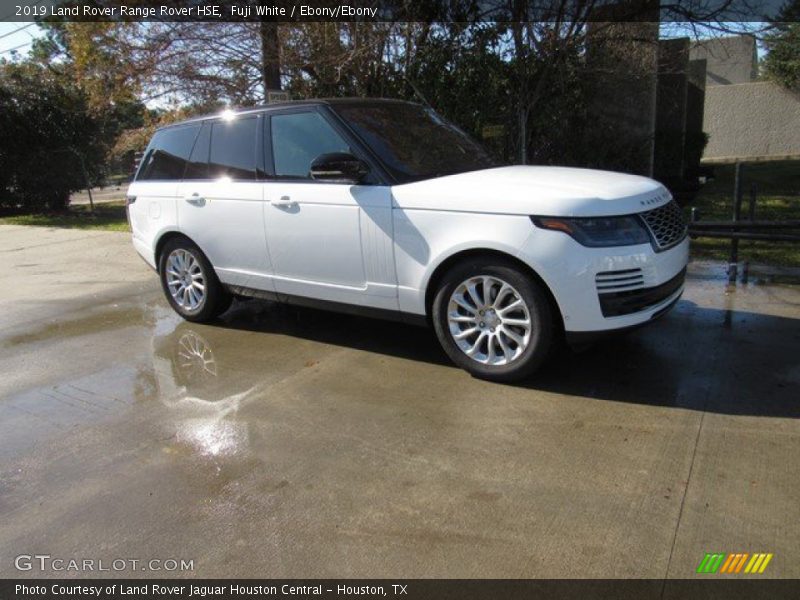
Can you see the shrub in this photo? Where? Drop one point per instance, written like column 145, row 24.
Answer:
column 49, row 141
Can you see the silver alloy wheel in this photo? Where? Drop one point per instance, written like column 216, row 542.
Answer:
column 489, row 320
column 185, row 279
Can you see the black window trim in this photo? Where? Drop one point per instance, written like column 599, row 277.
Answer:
column 379, row 174
column 191, row 152
column 261, row 155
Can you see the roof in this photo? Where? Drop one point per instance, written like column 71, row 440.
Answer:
column 278, row 105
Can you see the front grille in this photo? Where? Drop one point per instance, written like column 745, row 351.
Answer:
column 666, row 225
column 615, row 281
column 614, row 304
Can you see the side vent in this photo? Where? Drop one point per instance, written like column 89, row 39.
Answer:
column 618, row 281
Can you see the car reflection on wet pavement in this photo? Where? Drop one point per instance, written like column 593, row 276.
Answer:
column 292, row 442
column 188, row 389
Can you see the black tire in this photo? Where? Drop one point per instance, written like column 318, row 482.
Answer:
column 215, row 299
column 530, row 290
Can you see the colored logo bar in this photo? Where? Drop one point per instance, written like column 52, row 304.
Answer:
column 737, row 562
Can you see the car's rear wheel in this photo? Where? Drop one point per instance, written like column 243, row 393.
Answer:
column 493, row 319
column 190, row 283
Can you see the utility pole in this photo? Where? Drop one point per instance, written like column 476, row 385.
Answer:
column 270, row 56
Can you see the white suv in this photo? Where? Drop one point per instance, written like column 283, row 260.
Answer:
column 383, row 208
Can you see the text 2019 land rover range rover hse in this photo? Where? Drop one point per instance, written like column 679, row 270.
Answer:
column 382, row 207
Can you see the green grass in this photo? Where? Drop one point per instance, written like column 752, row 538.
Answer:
column 108, row 216
column 777, row 198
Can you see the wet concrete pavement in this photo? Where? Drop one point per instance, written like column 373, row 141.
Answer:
column 297, row 443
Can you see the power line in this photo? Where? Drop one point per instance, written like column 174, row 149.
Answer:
column 16, row 47
column 18, row 29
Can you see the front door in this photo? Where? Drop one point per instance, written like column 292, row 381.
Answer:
column 328, row 241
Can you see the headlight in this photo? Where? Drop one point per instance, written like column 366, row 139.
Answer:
column 598, row 232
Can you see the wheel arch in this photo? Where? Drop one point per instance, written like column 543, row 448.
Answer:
column 167, row 236
column 471, row 254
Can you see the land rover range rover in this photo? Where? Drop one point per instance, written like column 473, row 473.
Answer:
column 384, row 208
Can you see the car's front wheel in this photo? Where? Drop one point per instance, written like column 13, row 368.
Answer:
column 190, row 283
column 493, row 319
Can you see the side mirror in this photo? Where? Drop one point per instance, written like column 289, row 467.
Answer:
column 338, row 167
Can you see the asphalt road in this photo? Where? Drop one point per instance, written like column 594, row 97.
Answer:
column 294, row 443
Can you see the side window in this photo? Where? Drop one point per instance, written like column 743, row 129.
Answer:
column 233, row 149
column 297, row 139
column 198, row 161
column 167, row 154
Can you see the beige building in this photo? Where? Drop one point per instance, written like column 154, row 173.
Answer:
column 729, row 60
column 751, row 121
column 745, row 119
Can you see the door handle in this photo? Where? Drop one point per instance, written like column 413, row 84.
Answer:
column 195, row 199
column 284, row 202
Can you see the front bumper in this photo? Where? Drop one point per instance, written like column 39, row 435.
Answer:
column 581, row 338
column 607, row 289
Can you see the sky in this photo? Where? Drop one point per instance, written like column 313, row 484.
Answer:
column 13, row 35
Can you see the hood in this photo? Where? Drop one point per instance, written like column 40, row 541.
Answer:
column 525, row 190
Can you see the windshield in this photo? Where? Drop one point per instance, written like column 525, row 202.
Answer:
column 413, row 141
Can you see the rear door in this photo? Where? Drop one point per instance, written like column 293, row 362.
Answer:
column 220, row 200
column 331, row 241
column 152, row 195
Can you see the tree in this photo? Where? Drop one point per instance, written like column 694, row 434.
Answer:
column 180, row 62
column 782, row 63
column 53, row 143
column 516, row 76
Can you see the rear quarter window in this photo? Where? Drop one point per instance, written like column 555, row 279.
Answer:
column 168, row 153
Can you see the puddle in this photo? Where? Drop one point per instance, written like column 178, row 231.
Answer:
column 755, row 274
column 202, row 400
column 775, row 279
